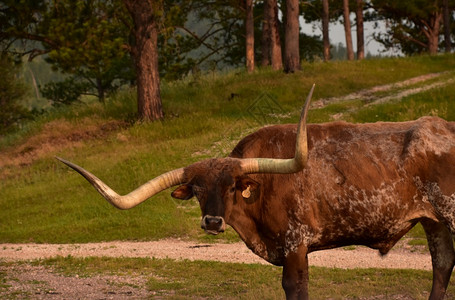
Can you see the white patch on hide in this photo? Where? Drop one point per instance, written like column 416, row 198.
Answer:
column 444, row 205
column 295, row 236
column 432, row 137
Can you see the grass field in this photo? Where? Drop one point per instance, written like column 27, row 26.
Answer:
column 169, row 279
column 43, row 201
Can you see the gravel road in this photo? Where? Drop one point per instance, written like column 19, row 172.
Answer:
column 352, row 257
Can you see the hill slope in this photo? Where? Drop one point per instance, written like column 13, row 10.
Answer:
column 43, row 201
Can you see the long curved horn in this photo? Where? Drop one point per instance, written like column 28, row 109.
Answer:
column 137, row 196
column 175, row 177
column 285, row 166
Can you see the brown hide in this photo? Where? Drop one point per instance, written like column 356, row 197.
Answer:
column 364, row 184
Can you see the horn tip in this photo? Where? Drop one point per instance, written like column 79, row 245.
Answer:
column 61, row 159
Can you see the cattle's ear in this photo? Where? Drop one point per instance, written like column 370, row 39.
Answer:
column 183, row 192
column 246, row 185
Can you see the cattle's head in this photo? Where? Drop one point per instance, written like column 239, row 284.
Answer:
column 215, row 182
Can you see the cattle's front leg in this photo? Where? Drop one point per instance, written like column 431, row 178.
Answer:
column 295, row 274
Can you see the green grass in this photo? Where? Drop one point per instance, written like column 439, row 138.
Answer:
column 44, row 201
column 201, row 279
column 437, row 102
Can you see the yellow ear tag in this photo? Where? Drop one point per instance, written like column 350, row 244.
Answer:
column 246, row 193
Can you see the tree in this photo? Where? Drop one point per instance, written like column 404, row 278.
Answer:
column 325, row 29
column 326, row 11
column 158, row 27
column 276, row 55
column 20, row 21
column 266, row 35
column 11, row 92
column 83, row 39
column 414, row 25
column 347, row 29
column 446, row 21
column 221, row 32
column 96, row 41
column 91, row 45
column 271, row 42
column 291, row 38
column 359, row 26
column 249, row 35
column 146, row 16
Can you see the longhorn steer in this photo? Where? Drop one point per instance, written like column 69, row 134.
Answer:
column 364, row 184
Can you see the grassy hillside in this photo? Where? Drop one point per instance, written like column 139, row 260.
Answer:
column 43, row 201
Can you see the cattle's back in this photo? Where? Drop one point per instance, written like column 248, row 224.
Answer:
column 431, row 134
column 366, row 154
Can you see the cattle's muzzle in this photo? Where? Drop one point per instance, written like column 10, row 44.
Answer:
column 213, row 225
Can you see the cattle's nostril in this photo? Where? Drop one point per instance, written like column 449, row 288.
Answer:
column 213, row 221
column 213, row 224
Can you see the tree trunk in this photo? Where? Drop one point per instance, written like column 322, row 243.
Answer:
column 291, row 46
column 100, row 90
column 447, row 39
column 347, row 30
column 433, row 32
column 145, row 15
column 275, row 41
column 360, row 34
column 271, row 35
column 325, row 29
column 249, row 36
column 266, row 35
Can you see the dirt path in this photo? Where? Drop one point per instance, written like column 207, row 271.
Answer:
column 375, row 95
column 27, row 281
column 360, row 257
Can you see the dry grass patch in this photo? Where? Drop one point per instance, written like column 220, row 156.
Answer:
column 55, row 136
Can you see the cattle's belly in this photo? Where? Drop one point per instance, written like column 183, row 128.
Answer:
column 382, row 235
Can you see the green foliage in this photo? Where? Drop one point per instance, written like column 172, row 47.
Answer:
column 84, row 39
column 410, row 23
column 175, row 42
column 215, row 27
column 65, row 92
column 12, row 90
column 16, row 19
column 90, row 40
column 310, row 47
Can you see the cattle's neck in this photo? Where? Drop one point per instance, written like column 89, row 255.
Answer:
column 262, row 246
column 256, row 222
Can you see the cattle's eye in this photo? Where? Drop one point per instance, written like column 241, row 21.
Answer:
column 232, row 189
column 198, row 191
